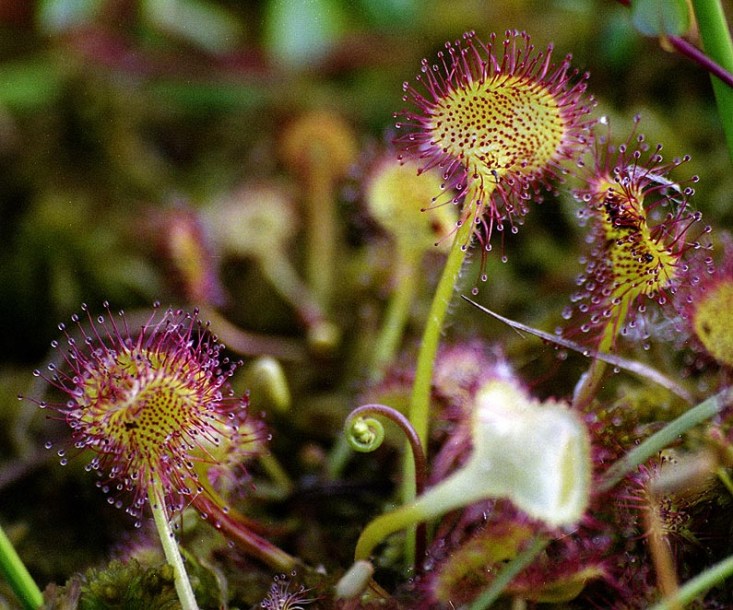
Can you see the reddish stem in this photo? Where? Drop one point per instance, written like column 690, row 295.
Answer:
column 689, row 50
column 255, row 545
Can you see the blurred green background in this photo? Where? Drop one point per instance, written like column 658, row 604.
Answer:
column 109, row 108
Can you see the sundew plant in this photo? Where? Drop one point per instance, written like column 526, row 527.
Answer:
column 400, row 305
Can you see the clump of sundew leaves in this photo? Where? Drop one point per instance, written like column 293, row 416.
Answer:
column 144, row 120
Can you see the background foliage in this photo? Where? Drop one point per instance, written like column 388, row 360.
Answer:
column 112, row 111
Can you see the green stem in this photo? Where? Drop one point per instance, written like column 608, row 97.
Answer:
column 386, row 524
column 459, row 489
column 321, row 229
column 406, row 278
column 170, row 547
column 338, row 457
column 17, row 575
column 724, row 477
column 374, row 440
column 589, row 384
column 692, row 589
column 280, row 272
column 419, row 413
column 716, row 41
column 278, row 475
column 323, row 335
column 658, row 441
column 420, row 401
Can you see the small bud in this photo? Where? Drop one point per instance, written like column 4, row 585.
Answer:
column 267, row 383
column 355, row 581
column 323, row 338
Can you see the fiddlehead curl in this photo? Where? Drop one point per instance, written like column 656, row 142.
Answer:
column 365, row 434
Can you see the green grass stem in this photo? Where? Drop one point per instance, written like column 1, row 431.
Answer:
column 717, row 43
column 667, row 435
column 17, row 575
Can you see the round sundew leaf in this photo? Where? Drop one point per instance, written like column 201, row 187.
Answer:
column 713, row 324
column 400, row 200
column 499, row 118
column 660, row 17
column 154, row 406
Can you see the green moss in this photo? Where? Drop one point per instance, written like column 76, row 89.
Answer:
column 129, row 586
column 123, row 586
